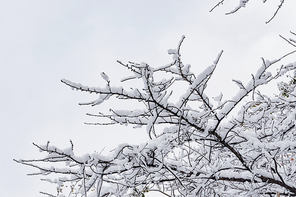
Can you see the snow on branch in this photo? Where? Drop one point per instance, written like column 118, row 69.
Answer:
column 243, row 3
column 197, row 151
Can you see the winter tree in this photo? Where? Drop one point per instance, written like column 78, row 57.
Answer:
column 196, row 146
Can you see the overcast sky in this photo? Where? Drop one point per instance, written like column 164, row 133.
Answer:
column 42, row 42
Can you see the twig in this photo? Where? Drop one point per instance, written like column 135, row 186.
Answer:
column 220, row 3
column 279, row 7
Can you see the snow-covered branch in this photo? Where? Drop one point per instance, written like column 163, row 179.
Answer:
column 243, row 3
column 199, row 150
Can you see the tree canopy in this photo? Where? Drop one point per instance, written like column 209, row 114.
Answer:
column 195, row 148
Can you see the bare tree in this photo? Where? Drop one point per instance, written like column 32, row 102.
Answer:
column 195, row 148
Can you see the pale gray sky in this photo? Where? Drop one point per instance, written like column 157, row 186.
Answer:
column 42, row 42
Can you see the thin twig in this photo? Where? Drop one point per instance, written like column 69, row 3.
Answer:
column 219, row 3
column 275, row 13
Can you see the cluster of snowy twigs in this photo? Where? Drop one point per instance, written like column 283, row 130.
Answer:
column 243, row 3
column 200, row 151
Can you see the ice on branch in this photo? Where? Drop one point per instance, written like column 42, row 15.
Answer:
column 105, row 77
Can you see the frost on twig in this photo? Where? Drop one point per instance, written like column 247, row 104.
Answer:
column 198, row 150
